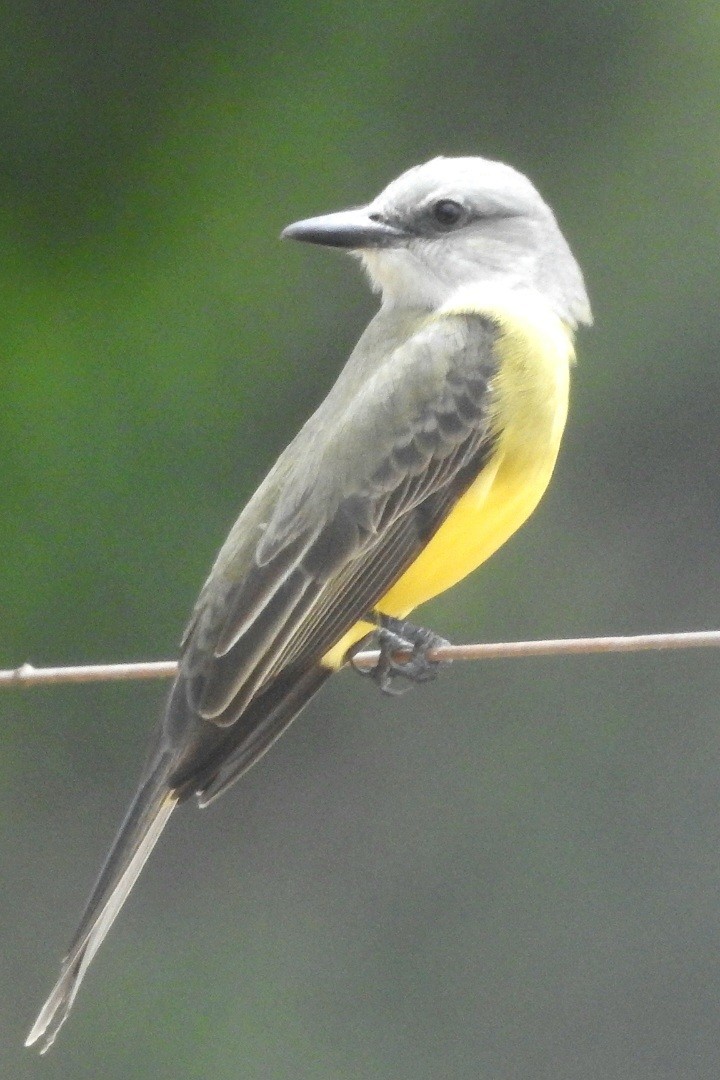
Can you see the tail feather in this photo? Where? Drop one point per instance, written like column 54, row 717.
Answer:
column 190, row 756
column 138, row 834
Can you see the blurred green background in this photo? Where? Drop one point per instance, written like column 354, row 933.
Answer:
column 514, row 873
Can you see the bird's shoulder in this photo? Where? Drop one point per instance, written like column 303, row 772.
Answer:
column 416, row 401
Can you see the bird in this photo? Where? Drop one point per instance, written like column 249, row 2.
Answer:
column 433, row 446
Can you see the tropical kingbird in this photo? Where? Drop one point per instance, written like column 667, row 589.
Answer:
column 433, row 446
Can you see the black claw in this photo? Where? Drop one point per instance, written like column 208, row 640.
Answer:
column 397, row 636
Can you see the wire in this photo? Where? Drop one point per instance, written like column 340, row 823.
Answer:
column 28, row 675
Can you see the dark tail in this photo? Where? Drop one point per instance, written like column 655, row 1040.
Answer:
column 193, row 757
column 138, row 834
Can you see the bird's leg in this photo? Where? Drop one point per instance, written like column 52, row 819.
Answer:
column 393, row 636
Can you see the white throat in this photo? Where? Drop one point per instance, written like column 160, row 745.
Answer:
column 406, row 280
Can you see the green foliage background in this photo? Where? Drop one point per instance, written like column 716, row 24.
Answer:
column 516, row 872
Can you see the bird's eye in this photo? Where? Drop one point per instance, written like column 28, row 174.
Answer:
column 447, row 212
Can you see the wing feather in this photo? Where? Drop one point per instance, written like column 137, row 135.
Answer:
column 350, row 518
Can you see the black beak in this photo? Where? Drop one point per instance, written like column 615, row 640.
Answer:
column 353, row 229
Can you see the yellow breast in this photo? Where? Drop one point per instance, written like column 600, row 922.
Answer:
column 535, row 350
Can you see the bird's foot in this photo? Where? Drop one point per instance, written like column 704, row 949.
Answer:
column 394, row 636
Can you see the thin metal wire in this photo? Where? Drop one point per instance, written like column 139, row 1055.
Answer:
column 28, row 675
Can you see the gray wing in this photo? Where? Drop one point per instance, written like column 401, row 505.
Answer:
column 353, row 504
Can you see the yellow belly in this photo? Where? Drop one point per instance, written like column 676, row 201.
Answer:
column 535, row 352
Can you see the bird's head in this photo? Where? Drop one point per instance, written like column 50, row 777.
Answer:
column 453, row 223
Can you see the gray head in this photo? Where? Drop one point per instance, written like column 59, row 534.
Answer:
column 453, row 223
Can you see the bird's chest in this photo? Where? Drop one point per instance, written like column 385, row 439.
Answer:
column 531, row 399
